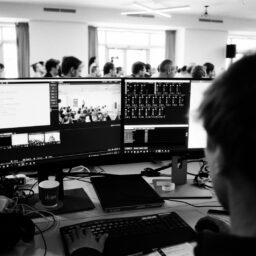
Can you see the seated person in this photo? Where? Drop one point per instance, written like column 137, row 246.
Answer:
column 2, row 75
column 198, row 72
column 119, row 72
column 52, row 68
column 109, row 70
column 167, row 69
column 71, row 67
column 138, row 69
column 226, row 111
column 39, row 69
column 209, row 69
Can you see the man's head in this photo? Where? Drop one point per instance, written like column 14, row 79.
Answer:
column 2, row 70
column 227, row 112
column 198, row 72
column 167, row 69
column 109, row 69
column 138, row 69
column 52, row 66
column 209, row 69
column 71, row 67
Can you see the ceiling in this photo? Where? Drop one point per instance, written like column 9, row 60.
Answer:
column 221, row 8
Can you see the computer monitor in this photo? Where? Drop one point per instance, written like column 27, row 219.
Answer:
column 196, row 131
column 155, row 117
column 58, row 122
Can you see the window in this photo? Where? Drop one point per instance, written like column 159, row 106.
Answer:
column 124, row 47
column 8, row 50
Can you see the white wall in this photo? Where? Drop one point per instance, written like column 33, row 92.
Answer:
column 205, row 46
column 57, row 39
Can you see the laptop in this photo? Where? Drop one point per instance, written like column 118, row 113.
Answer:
column 125, row 192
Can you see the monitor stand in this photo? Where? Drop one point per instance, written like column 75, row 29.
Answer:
column 184, row 189
column 71, row 200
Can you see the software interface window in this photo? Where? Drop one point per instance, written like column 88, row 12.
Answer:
column 155, row 118
column 56, row 119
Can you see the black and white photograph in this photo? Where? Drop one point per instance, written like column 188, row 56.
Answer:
column 89, row 103
column 126, row 127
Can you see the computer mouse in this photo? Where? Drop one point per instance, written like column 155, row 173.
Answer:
column 207, row 224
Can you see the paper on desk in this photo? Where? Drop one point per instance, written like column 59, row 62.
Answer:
column 178, row 250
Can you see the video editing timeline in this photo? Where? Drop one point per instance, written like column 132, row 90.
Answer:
column 155, row 119
column 45, row 120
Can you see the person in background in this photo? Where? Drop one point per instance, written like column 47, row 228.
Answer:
column 109, row 70
column 95, row 72
column 71, row 67
column 167, row 69
column 2, row 73
column 209, row 69
column 119, row 72
column 39, row 69
column 198, row 72
column 92, row 63
column 52, row 68
column 138, row 69
column 148, row 70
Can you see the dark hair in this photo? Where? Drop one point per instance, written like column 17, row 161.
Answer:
column 227, row 112
column 198, row 72
column 209, row 67
column 148, row 67
column 164, row 65
column 1, row 66
column 184, row 68
column 68, row 63
column 107, row 67
column 34, row 65
column 51, row 63
column 137, row 67
column 118, row 69
column 91, row 60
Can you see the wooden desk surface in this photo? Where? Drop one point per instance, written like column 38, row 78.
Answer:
column 54, row 244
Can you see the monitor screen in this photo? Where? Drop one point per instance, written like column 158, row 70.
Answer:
column 155, row 117
column 59, row 119
column 196, row 134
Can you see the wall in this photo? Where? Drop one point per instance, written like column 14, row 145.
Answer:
column 58, row 39
column 205, row 46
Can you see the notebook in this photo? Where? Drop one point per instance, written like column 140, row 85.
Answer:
column 125, row 192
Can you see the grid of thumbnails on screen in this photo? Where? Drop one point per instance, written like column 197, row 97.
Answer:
column 45, row 119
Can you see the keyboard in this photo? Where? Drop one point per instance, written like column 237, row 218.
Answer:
column 132, row 235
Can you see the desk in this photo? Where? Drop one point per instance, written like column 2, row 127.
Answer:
column 54, row 244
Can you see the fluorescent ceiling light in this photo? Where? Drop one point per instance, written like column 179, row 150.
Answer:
column 149, row 10
column 162, row 12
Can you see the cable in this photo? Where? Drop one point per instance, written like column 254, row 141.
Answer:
column 197, row 206
column 42, row 235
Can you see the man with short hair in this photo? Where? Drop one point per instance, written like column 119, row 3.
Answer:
column 209, row 69
column 71, row 67
column 2, row 74
column 167, row 69
column 39, row 69
column 138, row 69
column 52, row 68
column 109, row 70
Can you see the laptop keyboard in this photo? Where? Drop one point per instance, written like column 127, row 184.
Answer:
column 131, row 235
